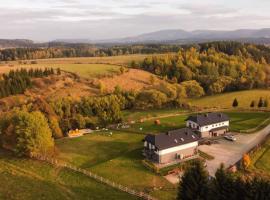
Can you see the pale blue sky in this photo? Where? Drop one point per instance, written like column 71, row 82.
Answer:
column 101, row 19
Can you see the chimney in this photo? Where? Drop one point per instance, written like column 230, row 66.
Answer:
column 220, row 115
column 168, row 133
column 206, row 114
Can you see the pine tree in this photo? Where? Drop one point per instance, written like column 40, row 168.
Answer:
column 222, row 186
column 260, row 104
column 235, row 103
column 194, row 183
column 252, row 104
column 259, row 189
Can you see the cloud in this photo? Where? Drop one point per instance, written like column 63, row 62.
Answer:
column 95, row 19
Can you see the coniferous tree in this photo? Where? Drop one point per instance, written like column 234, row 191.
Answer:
column 260, row 103
column 259, row 189
column 252, row 104
column 222, row 185
column 194, row 183
column 235, row 103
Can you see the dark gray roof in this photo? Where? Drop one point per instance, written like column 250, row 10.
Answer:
column 208, row 118
column 172, row 138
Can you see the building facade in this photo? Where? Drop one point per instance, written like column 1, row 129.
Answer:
column 172, row 146
column 209, row 124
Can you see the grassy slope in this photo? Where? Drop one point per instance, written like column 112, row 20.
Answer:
column 261, row 159
column 26, row 179
column 225, row 100
column 118, row 158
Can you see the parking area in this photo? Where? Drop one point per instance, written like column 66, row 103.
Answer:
column 229, row 152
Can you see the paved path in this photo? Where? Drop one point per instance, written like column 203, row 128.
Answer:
column 228, row 152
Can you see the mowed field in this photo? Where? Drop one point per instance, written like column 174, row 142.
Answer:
column 225, row 100
column 27, row 179
column 239, row 121
column 117, row 157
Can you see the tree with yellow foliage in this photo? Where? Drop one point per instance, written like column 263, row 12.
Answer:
column 246, row 161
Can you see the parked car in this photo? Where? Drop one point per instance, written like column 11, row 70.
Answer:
column 230, row 138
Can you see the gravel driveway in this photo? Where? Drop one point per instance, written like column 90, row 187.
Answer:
column 228, row 152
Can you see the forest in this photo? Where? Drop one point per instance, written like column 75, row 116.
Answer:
column 16, row 82
column 217, row 67
column 82, row 50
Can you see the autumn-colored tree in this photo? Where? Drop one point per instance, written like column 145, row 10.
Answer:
column 246, row 161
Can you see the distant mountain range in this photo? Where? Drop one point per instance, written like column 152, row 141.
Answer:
column 183, row 36
column 178, row 36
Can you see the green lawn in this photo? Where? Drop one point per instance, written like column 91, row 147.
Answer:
column 246, row 120
column 225, row 100
column 118, row 158
column 166, row 123
column 23, row 179
column 239, row 121
column 138, row 114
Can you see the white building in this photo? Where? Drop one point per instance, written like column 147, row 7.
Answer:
column 209, row 124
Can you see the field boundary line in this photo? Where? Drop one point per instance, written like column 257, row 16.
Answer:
column 94, row 176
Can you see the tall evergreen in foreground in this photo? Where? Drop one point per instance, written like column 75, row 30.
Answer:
column 194, row 183
column 222, row 186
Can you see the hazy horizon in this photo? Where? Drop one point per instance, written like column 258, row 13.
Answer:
column 97, row 20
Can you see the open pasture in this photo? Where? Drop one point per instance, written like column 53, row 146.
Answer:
column 117, row 157
column 225, row 100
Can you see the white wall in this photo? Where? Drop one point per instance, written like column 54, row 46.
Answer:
column 212, row 126
column 208, row 127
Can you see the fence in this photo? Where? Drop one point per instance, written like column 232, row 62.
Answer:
column 98, row 178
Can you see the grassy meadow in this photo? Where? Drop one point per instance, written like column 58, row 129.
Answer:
column 83, row 70
column 27, row 179
column 240, row 121
column 225, row 100
column 117, row 157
